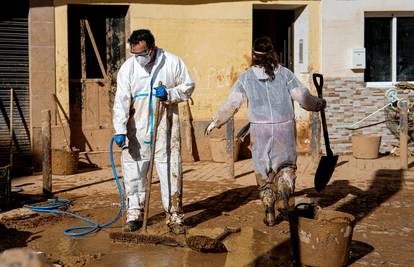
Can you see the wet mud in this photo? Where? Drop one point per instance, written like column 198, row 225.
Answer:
column 383, row 212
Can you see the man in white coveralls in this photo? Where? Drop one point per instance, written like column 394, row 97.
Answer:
column 151, row 72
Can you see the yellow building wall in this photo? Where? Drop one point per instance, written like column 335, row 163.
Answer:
column 62, row 66
column 213, row 39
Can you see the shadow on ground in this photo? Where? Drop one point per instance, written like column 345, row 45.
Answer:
column 214, row 206
column 224, row 202
column 12, row 238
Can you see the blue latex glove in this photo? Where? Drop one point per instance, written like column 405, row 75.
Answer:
column 161, row 92
column 120, row 140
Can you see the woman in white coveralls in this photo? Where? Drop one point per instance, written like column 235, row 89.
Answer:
column 269, row 89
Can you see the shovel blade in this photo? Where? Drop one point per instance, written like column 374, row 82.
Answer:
column 324, row 172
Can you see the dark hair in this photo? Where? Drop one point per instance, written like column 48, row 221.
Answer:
column 142, row 35
column 264, row 55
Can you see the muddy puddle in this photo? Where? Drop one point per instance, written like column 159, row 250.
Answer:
column 44, row 232
column 249, row 247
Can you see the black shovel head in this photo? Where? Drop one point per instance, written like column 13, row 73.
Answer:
column 324, row 172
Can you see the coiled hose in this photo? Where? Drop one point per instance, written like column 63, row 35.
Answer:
column 86, row 229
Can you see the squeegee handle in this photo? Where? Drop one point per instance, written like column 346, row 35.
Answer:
column 227, row 231
column 319, row 86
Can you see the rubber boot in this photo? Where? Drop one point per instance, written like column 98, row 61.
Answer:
column 175, row 224
column 132, row 226
column 285, row 188
column 134, row 218
column 268, row 199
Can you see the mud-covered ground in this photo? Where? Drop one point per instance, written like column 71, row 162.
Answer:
column 376, row 192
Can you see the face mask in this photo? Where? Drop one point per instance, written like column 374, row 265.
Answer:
column 143, row 60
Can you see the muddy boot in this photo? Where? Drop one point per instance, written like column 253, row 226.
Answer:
column 175, row 223
column 177, row 228
column 133, row 220
column 285, row 188
column 132, row 226
column 268, row 199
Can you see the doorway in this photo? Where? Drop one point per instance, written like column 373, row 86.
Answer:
column 96, row 37
column 278, row 25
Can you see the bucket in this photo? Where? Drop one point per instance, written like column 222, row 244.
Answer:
column 365, row 146
column 218, row 149
column 5, row 185
column 65, row 161
column 324, row 240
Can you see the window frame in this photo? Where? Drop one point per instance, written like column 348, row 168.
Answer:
column 394, row 16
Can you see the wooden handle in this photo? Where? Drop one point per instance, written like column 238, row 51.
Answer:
column 227, row 231
column 151, row 166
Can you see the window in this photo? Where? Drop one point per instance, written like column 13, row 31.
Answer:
column 389, row 42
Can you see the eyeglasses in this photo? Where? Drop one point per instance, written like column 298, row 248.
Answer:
column 142, row 53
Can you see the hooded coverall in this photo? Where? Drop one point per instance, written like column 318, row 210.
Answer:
column 134, row 108
column 272, row 122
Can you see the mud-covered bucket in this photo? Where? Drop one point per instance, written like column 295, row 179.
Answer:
column 324, row 240
column 65, row 161
column 366, row 146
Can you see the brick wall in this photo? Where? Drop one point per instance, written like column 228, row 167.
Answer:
column 348, row 102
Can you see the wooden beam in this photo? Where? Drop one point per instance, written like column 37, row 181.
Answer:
column 230, row 146
column 403, row 105
column 83, row 49
column 95, row 49
column 47, row 153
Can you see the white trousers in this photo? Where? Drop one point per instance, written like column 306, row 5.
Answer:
column 135, row 171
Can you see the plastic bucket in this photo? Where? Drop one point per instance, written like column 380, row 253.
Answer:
column 218, row 149
column 324, row 240
column 64, row 161
column 365, row 146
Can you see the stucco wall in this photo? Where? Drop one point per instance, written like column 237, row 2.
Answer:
column 213, row 38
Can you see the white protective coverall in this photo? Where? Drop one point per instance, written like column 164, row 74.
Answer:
column 271, row 116
column 134, row 108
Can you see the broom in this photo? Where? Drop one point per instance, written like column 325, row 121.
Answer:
column 142, row 236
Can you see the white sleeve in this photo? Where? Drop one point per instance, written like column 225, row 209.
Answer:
column 184, row 85
column 305, row 99
column 301, row 94
column 122, row 101
column 231, row 105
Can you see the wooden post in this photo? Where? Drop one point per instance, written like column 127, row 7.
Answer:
column 83, row 50
column 186, row 122
column 403, row 105
column 11, row 127
column 230, row 146
column 47, row 152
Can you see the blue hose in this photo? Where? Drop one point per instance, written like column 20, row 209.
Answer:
column 87, row 229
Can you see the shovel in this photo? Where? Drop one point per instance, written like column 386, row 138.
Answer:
column 327, row 163
column 210, row 245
